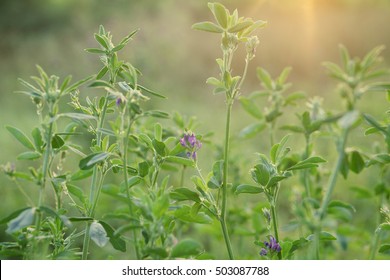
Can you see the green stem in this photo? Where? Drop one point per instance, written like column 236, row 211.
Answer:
column 331, row 185
column 126, row 181
column 93, row 187
column 306, row 172
column 45, row 170
column 275, row 225
column 224, row 181
column 375, row 245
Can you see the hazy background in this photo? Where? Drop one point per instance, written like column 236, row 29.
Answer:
column 176, row 60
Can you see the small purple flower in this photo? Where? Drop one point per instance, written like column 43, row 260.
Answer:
column 271, row 246
column 263, row 252
column 118, row 101
column 192, row 144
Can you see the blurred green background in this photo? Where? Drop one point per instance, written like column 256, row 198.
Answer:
column 176, row 61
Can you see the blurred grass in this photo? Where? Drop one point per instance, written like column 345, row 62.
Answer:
column 176, row 61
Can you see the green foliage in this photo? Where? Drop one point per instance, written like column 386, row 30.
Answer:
column 145, row 164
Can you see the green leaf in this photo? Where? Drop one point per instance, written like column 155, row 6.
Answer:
column 78, row 83
column 284, row 75
column 182, row 194
column 37, row 137
column 338, row 203
column 81, row 174
column 252, row 130
column 57, row 142
column 384, row 249
column 244, row 188
column 21, row 137
column 184, row 213
column 135, row 180
column 158, row 131
column 143, row 168
column 220, row 13
column 293, row 128
column 251, row 108
column 157, row 114
column 180, row 160
column 102, row 73
column 101, row 84
column 324, row 236
column 277, row 149
column 98, row 234
column 240, row 26
column 286, row 247
column 159, row 147
column 275, row 179
column 80, row 219
column 29, row 156
column 186, row 248
column 92, row 159
column 307, row 163
column 95, row 50
column 100, row 39
column 207, row 26
column 265, row 78
column 116, row 241
column 13, row 215
column 361, row 192
column 76, row 191
column 151, row 92
column 24, row 219
column 160, row 206
column 260, row 174
column 356, row 162
column 384, row 227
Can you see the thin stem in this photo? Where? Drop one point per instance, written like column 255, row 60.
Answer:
column 330, row 188
column 375, row 245
column 275, row 225
column 306, row 172
column 45, row 170
column 335, row 172
column 126, row 181
column 224, row 181
column 92, row 195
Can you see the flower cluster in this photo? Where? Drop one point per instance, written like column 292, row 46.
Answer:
column 192, row 144
column 270, row 247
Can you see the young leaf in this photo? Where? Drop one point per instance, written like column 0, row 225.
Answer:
column 208, row 27
column 21, row 137
column 29, row 156
column 37, row 137
column 384, row 249
column 307, row 163
column 92, row 159
column 338, row 203
column 251, row 108
column 244, row 188
column 220, row 13
column 186, row 248
column 180, row 160
column 23, row 220
column 356, row 162
column 252, row 130
column 57, row 142
column 260, row 174
column 98, row 234
column 182, row 194
column 240, row 26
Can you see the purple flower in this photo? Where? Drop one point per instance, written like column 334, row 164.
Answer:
column 263, row 252
column 271, row 246
column 191, row 144
column 118, row 101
